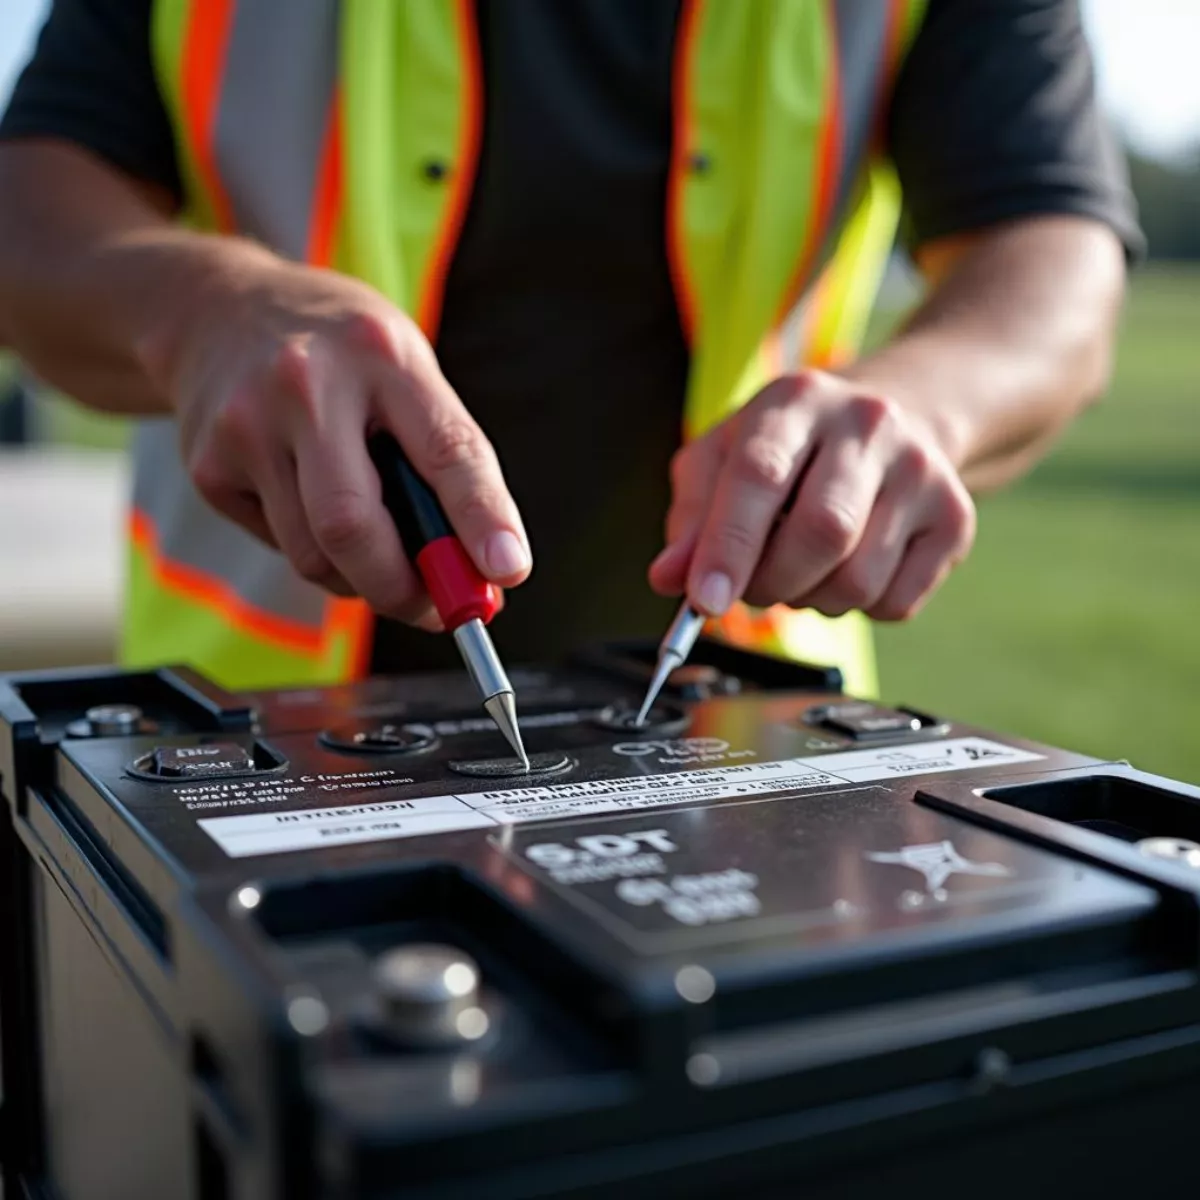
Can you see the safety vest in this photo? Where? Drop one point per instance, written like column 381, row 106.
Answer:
column 346, row 133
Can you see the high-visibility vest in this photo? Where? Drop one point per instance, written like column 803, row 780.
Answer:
column 314, row 130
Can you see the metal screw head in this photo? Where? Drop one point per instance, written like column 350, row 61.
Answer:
column 430, row 993
column 111, row 720
column 1178, row 850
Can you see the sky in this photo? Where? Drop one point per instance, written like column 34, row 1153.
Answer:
column 1146, row 53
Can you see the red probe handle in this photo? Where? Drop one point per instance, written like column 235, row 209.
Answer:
column 459, row 592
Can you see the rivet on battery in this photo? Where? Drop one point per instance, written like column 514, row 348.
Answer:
column 109, row 720
column 991, row 1070
column 435, row 170
column 695, row 984
column 699, row 163
column 248, row 897
column 703, row 1070
column 307, row 1014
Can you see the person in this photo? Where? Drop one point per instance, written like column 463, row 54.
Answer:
column 625, row 248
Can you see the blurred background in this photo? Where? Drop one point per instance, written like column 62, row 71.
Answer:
column 1077, row 618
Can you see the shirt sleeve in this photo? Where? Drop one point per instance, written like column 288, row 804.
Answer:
column 91, row 81
column 994, row 116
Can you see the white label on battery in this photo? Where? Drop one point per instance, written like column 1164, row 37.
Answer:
column 920, row 758
column 303, row 829
column 680, row 787
column 732, row 780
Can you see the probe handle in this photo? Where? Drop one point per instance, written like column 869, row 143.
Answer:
column 459, row 592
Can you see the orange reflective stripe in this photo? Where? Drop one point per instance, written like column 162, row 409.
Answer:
column 354, row 620
column 215, row 594
column 825, row 175
column 327, row 200
column 681, row 148
column 204, row 46
column 462, row 179
column 818, row 347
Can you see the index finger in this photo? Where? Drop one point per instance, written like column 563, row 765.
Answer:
column 761, row 464
column 450, row 452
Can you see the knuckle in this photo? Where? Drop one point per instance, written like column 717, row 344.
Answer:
column 210, row 478
column 763, row 463
column 869, row 414
column 369, row 331
column 892, row 610
column 340, row 522
column 799, row 383
column 734, row 540
column 235, row 421
column 959, row 520
column 310, row 564
column 855, row 586
column 454, row 445
column 291, row 366
column 914, row 463
column 830, row 528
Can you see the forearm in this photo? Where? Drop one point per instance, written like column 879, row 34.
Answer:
column 90, row 265
column 1012, row 343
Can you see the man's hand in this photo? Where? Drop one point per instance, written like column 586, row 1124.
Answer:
column 276, row 375
column 276, row 372
column 817, row 494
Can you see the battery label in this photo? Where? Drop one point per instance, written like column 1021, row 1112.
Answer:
column 306, row 829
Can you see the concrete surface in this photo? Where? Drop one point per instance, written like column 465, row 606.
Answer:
column 62, row 517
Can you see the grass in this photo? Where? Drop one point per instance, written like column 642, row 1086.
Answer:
column 1076, row 621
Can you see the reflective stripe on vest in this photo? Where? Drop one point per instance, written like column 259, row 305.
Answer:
column 312, row 133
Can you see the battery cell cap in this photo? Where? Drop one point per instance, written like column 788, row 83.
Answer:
column 863, row 721
column 216, row 759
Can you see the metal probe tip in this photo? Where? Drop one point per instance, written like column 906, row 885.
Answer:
column 676, row 645
column 483, row 665
column 502, row 708
column 666, row 664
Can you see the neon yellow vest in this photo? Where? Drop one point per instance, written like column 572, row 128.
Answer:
column 316, row 132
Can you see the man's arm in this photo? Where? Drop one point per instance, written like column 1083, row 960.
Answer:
column 88, row 256
column 1013, row 340
column 275, row 370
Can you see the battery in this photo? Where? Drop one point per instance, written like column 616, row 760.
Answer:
column 781, row 941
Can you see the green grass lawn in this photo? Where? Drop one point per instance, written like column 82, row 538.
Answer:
column 1076, row 620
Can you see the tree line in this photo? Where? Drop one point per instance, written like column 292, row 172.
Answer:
column 1168, row 196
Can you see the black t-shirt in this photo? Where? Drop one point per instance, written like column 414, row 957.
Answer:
column 559, row 325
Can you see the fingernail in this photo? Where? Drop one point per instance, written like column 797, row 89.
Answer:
column 504, row 554
column 715, row 593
